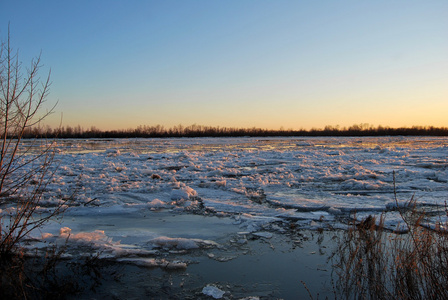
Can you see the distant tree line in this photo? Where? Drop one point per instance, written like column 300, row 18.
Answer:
column 159, row 131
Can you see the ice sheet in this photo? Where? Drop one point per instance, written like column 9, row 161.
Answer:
column 259, row 184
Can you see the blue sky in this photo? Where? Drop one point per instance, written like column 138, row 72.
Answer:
column 296, row 64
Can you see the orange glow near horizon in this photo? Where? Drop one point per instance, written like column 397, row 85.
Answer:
column 289, row 64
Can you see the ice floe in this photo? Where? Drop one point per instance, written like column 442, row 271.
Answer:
column 259, row 184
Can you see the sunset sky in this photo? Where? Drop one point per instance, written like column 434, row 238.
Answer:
column 238, row 63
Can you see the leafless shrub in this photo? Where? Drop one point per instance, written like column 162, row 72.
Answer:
column 25, row 169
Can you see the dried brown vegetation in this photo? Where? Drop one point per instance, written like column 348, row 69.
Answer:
column 374, row 263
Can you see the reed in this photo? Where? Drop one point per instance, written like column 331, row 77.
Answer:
column 372, row 262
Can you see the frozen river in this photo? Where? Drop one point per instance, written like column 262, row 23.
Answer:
column 138, row 199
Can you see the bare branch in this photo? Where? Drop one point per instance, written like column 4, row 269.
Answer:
column 24, row 174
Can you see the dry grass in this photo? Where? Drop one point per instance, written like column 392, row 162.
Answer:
column 50, row 276
column 374, row 263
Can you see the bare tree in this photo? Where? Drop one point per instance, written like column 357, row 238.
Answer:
column 25, row 170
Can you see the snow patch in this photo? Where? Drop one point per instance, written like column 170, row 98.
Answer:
column 168, row 243
column 184, row 193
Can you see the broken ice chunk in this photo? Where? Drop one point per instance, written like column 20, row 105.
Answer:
column 213, row 291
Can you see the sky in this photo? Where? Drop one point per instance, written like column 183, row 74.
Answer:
column 237, row 63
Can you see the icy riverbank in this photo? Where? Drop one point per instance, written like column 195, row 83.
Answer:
column 154, row 202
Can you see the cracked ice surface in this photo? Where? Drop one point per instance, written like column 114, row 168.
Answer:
column 251, row 184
